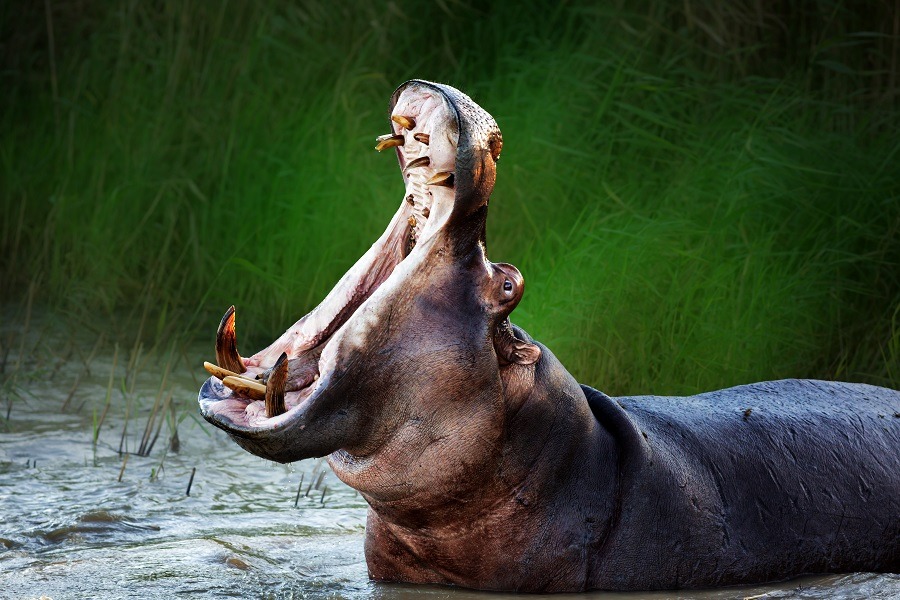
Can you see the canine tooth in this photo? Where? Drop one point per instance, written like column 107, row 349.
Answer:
column 275, row 387
column 443, row 179
column 388, row 141
column 227, row 355
column 404, row 122
column 422, row 161
column 422, row 137
column 245, row 387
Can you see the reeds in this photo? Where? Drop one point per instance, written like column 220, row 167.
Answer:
column 315, row 483
column 187, row 492
column 109, row 389
column 157, row 413
column 699, row 194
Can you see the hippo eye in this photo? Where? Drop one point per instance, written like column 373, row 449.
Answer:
column 507, row 286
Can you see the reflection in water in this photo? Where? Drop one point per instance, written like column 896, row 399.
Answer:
column 71, row 528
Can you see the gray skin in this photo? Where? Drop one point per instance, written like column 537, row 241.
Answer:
column 486, row 465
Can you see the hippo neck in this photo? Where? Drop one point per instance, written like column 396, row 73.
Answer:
column 555, row 485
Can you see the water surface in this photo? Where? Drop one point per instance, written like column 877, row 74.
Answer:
column 71, row 529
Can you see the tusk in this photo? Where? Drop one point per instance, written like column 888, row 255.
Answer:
column 245, row 387
column 404, row 122
column 422, row 161
column 422, row 137
column 217, row 371
column 227, row 355
column 388, row 141
column 275, row 387
column 444, row 179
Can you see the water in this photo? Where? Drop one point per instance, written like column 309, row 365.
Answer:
column 70, row 529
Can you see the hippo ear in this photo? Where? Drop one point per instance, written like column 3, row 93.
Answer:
column 511, row 349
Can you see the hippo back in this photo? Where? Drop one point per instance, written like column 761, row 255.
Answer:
column 756, row 482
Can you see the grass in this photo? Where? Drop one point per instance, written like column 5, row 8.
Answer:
column 698, row 195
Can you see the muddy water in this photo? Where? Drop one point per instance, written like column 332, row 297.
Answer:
column 70, row 528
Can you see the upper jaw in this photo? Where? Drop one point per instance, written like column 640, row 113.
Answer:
column 459, row 139
column 470, row 129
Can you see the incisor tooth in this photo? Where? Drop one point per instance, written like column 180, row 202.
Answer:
column 444, row 179
column 404, row 122
column 388, row 140
column 422, row 137
column 217, row 371
column 245, row 387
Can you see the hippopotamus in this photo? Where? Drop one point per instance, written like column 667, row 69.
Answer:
column 485, row 464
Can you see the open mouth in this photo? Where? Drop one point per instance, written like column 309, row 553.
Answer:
column 262, row 393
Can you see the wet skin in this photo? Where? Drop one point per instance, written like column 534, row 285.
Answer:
column 486, row 465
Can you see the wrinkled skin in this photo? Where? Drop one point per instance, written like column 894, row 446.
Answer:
column 486, row 465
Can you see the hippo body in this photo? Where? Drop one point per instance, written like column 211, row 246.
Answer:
column 652, row 492
column 754, row 483
column 486, row 465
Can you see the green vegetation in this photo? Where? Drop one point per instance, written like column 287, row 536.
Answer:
column 698, row 195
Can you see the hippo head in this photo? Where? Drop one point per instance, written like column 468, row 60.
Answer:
column 411, row 356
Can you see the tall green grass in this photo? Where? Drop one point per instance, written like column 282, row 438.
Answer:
column 698, row 195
